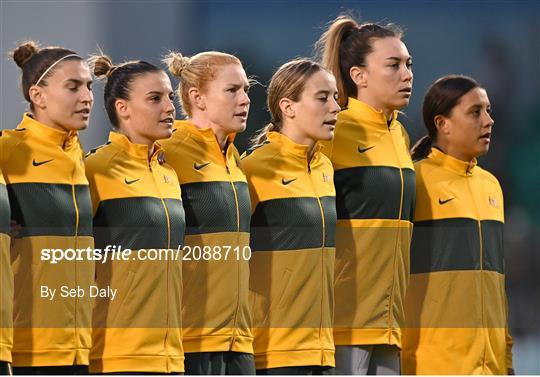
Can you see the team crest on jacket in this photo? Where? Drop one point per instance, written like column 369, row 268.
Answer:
column 325, row 177
column 167, row 179
column 492, row 202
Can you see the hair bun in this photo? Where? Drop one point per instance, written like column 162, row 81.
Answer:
column 101, row 65
column 24, row 52
column 176, row 63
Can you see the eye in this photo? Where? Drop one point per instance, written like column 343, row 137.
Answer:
column 154, row 98
column 409, row 64
column 73, row 88
column 394, row 65
column 231, row 90
column 89, row 86
column 323, row 98
column 489, row 111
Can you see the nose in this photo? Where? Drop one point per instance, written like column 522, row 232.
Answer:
column 408, row 74
column 334, row 106
column 244, row 99
column 87, row 95
column 169, row 106
column 488, row 121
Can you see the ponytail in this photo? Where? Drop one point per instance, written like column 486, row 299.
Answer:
column 260, row 137
column 422, row 148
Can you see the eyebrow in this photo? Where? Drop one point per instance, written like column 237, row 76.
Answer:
column 78, row 82
column 398, row 59
column 323, row 92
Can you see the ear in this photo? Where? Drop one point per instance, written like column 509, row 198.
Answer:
column 122, row 109
column 37, row 96
column 197, row 98
column 359, row 76
column 287, row 108
column 442, row 123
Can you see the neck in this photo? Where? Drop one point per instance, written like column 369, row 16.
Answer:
column 42, row 118
column 375, row 104
column 453, row 152
column 138, row 139
column 293, row 133
column 203, row 123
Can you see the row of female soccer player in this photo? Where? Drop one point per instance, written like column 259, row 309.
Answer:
column 326, row 198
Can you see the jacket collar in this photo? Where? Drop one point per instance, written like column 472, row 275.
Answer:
column 288, row 146
column 137, row 151
column 46, row 133
column 453, row 164
column 363, row 113
column 201, row 134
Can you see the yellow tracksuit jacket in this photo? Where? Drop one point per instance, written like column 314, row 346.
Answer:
column 292, row 267
column 6, row 276
column 375, row 191
column 215, row 307
column 137, row 205
column 49, row 197
column 456, row 307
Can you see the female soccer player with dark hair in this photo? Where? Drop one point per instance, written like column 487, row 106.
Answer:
column 375, row 190
column 216, row 317
column 137, row 205
column 293, row 224
column 456, row 306
column 42, row 163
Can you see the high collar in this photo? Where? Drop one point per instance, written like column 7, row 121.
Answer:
column 137, row 151
column 203, row 134
column 362, row 112
column 46, row 133
column 288, row 146
column 453, row 164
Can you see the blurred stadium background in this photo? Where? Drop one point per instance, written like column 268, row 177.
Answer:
column 497, row 42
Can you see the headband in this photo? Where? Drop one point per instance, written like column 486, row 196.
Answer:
column 53, row 64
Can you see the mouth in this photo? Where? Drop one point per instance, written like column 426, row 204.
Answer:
column 486, row 137
column 242, row 115
column 84, row 112
column 331, row 123
column 406, row 91
column 167, row 121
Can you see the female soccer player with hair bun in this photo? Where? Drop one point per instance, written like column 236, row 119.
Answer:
column 456, row 306
column 293, row 224
column 375, row 191
column 215, row 311
column 137, row 205
column 42, row 163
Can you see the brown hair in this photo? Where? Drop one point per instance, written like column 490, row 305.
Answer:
column 119, row 77
column 287, row 82
column 440, row 99
column 345, row 45
column 34, row 61
column 196, row 71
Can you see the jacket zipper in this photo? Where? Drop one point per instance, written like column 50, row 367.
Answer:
column 168, row 265
column 481, row 245
column 74, row 196
column 398, row 238
column 322, row 258
column 235, row 319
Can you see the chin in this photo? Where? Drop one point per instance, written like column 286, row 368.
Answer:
column 327, row 136
column 165, row 135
